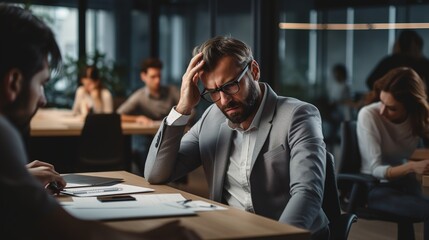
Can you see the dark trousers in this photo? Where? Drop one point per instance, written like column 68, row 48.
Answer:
column 403, row 197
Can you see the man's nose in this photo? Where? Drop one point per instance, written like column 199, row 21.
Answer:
column 42, row 100
column 224, row 98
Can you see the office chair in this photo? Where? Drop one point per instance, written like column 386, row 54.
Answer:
column 339, row 224
column 355, row 186
column 101, row 146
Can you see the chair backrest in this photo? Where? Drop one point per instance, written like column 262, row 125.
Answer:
column 101, row 146
column 350, row 160
column 352, row 195
column 331, row 203
column 339, row 224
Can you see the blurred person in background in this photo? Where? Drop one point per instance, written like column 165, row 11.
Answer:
column 92, row 96
column 389, row 130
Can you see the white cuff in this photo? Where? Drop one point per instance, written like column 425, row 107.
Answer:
column 175, row 118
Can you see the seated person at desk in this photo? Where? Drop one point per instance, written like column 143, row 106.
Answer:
column 261, row 152
column 27, row 48
column 389, row 130
column 92, row 97
column 152, row 102
column 147, row 105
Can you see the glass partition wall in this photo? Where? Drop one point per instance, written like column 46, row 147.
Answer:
column 308, row 40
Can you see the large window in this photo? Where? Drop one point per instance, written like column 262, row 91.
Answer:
column 63, row 21
column 307, row 52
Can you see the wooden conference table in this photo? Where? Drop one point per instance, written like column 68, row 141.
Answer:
column 221, row 224
column 55, row 137
column 61, row 122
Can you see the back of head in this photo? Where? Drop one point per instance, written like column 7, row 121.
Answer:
column 340, row 72
column 150, row 63
column 410, row 40
column 406, row 86
column 26, row 42
column 219, row 47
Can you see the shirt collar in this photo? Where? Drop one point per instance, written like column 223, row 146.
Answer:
column 257, row 119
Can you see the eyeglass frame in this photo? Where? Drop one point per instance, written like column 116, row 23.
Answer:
column 236, row 81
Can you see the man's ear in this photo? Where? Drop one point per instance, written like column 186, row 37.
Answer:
column 12, row 84
column 256, row 74
column 143, row 76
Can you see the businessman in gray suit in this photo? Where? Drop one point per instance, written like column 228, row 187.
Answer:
column 261, row 153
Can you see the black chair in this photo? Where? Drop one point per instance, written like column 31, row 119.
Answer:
column 339, row 224
column 101, row 146
column 354, row 186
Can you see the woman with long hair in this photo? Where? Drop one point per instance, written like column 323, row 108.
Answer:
column 92, row 96
column 389, row 131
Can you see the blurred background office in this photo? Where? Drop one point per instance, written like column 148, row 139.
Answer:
column 295, row 42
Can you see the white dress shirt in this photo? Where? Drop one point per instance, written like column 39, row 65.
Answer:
column 237, row 180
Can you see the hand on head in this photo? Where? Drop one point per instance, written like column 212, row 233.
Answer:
column 189, row 92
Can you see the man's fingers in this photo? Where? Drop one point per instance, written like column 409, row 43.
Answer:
column 194, row 61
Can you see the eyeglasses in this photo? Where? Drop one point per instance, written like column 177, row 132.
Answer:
column 229, row 88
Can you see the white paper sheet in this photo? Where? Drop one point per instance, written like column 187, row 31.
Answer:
column 105, row 190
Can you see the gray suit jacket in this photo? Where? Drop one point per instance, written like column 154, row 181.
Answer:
column 288, row 165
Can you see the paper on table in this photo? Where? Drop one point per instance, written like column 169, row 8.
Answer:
column 145, row 206
column 147, row 200
column 159, row 210
column 105, row 190
column 197, row 205
column 141, row 200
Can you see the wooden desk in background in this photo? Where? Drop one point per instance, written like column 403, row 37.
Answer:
column 222, row 224
column 62, row 122
column 55, row 137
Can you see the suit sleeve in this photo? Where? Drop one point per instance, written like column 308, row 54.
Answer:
column 171, row 156
column 307, row 168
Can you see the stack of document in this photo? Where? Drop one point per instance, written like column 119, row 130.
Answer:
column 85, row 205
column 145, row 206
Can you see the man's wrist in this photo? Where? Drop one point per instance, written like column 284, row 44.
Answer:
column 183, row 109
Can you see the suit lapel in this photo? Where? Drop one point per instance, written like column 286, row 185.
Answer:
column 223, row 147
column 265, row 124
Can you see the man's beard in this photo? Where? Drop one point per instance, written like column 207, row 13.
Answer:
column 248, row 106
column 18, row 114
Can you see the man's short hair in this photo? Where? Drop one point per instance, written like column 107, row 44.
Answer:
column 25, row 42
column 223, row 46
column 151, row 63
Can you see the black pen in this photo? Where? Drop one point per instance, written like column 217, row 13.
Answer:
column 53, row 186
column 186, row 201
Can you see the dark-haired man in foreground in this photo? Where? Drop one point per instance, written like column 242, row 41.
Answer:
column 27, row 52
